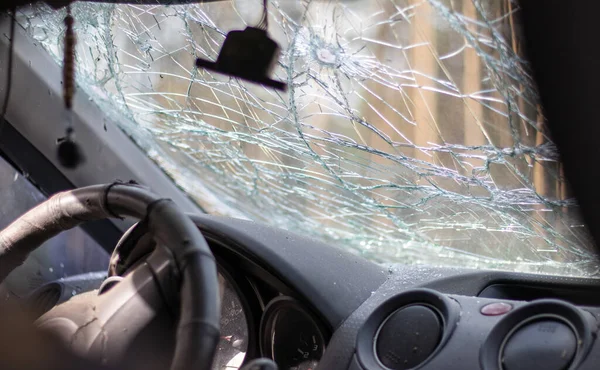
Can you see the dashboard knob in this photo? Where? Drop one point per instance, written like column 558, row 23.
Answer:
column 408, row 337
column 544, row 344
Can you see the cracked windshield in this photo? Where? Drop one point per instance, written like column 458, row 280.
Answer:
column 410, row 131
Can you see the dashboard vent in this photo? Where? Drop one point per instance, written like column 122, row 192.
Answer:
column 407, row 330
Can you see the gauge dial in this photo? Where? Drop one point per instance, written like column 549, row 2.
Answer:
column 233, row 343
column 291, row 336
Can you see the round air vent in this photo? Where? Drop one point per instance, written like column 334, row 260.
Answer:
column 408, row 336
column 406, row 331
column 545, row 343
column 545, row 334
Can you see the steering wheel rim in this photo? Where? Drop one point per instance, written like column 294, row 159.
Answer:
column 197, row 333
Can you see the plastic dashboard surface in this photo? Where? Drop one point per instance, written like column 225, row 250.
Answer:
column 475, row 340
column 408, row 317
column 551, row 322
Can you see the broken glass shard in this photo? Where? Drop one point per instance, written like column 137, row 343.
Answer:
column 410, row 132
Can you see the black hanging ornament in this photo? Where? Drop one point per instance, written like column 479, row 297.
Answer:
column 68, row 151
column 69, row 154
column 249, row 54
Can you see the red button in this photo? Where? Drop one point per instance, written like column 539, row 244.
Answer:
column 495, row 309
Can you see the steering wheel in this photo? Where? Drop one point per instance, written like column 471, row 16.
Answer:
column 197, row 332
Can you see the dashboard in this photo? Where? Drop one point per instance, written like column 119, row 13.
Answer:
column 262, row 316
column 309, row 306
column 428, row 318
column 287, row 331
column 515, row 322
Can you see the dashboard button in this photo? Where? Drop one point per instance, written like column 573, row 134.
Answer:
column 496, row 309
column 545, row 344
column 408, row 337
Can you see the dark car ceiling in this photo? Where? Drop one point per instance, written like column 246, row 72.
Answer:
column 560, row 37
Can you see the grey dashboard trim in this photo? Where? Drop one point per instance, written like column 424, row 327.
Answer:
column 451, row 281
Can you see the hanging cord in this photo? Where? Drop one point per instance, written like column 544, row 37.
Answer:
column 264, row 21
column 69, row 154
column 69, row 61
column 9, row 68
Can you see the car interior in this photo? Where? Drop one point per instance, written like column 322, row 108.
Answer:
column 299, row 185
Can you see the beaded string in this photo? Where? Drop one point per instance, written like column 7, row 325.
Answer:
column 69, row 154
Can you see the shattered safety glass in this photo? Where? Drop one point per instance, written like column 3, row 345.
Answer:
column 410, row 132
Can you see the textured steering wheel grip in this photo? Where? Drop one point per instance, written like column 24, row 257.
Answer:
column 198, row 328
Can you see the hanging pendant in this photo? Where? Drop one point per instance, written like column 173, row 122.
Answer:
column 69, row 154
column 249, row 55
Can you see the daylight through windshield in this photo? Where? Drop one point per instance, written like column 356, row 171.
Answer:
column 410, row 131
